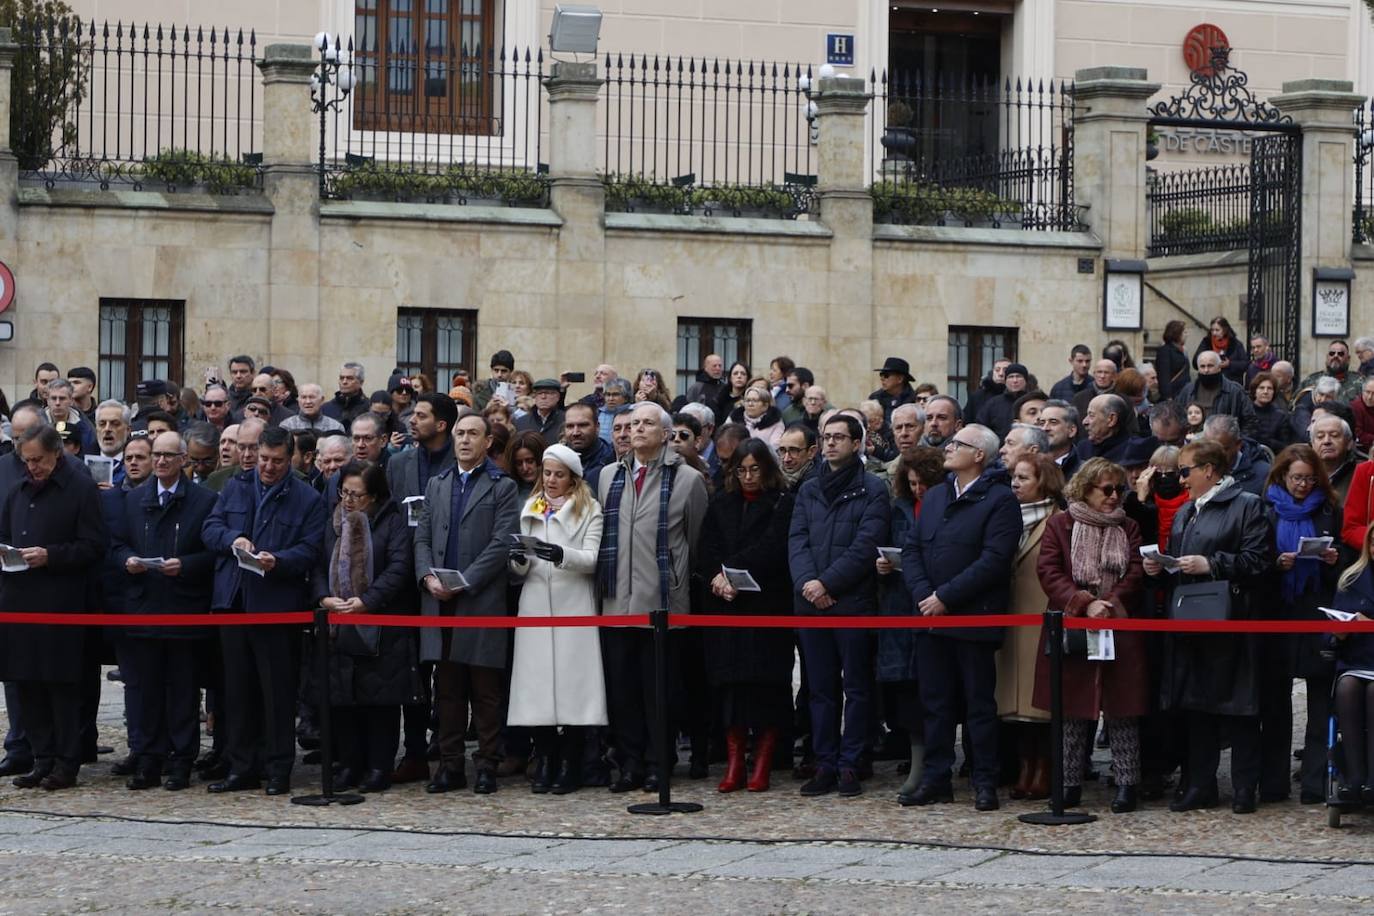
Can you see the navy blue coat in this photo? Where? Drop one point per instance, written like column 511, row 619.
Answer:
column 145, row 529
column 1356, row 651
column 838, row 543
column 896, row 660
column 290, row 526
column 963, row 550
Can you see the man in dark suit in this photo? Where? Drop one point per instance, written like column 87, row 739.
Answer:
column 163, row 519
column 52, row 515
column 273, row 514
column 958, row 560
column 470, row 512
column 408, row 475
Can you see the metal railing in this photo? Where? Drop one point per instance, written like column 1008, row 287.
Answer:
column 141, row 105
column 972, row 152
column 449, row 125
column 1199, row 210
column 1362, row 217
column 711, row 136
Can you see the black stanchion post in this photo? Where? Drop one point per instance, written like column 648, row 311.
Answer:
column 665, row 803
column 1056, row 816
column 326, row 796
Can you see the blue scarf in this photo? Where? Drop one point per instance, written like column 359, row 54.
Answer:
column 610, row 539
column 1295, row 523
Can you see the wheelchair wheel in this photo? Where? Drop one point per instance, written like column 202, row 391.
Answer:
column 1333, row 816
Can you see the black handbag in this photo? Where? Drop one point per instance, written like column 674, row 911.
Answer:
column 1201, row 601
column 350, row 639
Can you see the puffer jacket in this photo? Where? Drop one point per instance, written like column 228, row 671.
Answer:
column 837, row 543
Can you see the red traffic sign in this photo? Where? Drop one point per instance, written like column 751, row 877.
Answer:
column 6, row 287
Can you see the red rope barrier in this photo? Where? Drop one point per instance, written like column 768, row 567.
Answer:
column 159, row 620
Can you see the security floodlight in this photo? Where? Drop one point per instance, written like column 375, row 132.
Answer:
column 576, row 28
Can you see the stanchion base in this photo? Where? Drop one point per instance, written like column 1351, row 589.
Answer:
column 319, row 801
column 1050, row 819
column 660, row 808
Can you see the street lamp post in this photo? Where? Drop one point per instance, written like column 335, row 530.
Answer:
column 334, row 71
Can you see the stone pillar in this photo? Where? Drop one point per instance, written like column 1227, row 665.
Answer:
column 291, row 331
column 1322, row 108
column 847, row 210
column 583, row 337
column 11, row 374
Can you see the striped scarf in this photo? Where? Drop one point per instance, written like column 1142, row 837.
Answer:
column 610, row 541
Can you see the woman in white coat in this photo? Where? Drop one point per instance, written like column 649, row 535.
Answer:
column 556, row 678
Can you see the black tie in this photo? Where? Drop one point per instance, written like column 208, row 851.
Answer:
column 164, row 498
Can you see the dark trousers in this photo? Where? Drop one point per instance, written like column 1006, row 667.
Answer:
column 1206, row 734
column 91, row 680
column 416, row 719
column 1276, row 732
column 456, row 688
column 160, row 700
column 52, row 720
column 16, row 741
column 1314, row 738
column 260, row 695
column 627, row 657
column 951, row 669
column 844, row 659
column 366, row 736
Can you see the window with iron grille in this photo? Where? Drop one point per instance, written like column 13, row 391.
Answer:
column 425, row 66
column 139, row 339
column 437, row 342
column 972, row 351
column 697, row 338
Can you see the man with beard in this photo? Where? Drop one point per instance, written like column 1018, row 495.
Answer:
column 1338, row 367
column 1216, row 394
column 943, row 420
column 797, row 453
column 1059, row 420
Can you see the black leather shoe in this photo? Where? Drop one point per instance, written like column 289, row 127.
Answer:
column 1073, row 796
column 650, row 782
column 31, row 779
column 1127, row 800
column 985, row 799
column 375, row 781
column 234, row 783
column 627, row 782
column 207, row 761
column 485, row 783
column 446, row 780
column 144, row 779
column 177, row 780
column 848, row 785
column 1244, row 802
column 1193, row 799
column 126, row 766
column 346, row 778
column 567, row 781
column 543, row 776
column 59, row 778
column 823, row 783
column 15, row 766
column 279, row 785
column 927, row 794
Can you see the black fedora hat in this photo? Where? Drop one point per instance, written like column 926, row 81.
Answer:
column 897, row 366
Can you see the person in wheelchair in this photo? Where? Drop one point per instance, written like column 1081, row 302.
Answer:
column 1354, row 692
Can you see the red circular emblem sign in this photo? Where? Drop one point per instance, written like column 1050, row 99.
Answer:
column 1198, row 45
column 6, row 287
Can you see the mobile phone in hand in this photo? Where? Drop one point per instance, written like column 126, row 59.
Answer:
column 574, row 376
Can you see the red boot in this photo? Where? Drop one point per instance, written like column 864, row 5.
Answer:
column 764, row 744
column 734, row 761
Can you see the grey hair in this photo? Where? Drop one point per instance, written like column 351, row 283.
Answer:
column 665, row 420
column 1032, row 437
column 202, row 434
column 1325, row 385
column 210, row 388
column 124, row 411
column 1222, row 423
column 920, row 413
column 704, row 414
column 377, row 425
column 1169, row 410
column 1364, row 343
column 985, row 439
column 58, row 384
column 358, row 368
column 336, row 438
column 618, row 384
column 1070, row 411
column 1345, row 427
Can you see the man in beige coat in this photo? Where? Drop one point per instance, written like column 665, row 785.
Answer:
column 654, row 505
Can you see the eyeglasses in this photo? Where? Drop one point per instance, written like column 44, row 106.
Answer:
column 166, row 456
column 352, row 494
column 791, row 450
column 1109, row 488
column 752, row 471
column 208, row 459
column 956, row 443
column 1302, row 479
column 836, row 437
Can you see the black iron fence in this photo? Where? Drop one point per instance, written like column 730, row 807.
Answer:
column 710, row 136
column 1363, row 214
column 1199, row 210
column 973, row 152
column 142, row 105
column 437, row 124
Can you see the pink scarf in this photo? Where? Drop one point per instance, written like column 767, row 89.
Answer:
column 1099, row 552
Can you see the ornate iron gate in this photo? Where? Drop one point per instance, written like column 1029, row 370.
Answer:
column 1219, row 98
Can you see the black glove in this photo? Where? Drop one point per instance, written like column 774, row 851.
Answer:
column 517, row 555
column 551, row 552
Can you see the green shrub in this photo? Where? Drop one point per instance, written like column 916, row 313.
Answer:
column 183, row 168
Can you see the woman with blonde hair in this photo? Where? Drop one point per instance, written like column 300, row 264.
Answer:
column 557, row 685
column 760, row 417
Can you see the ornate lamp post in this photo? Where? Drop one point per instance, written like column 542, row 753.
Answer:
column 334, row 71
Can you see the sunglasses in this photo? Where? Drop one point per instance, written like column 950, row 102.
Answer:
column 213, row 403
column 1184, row 470
column 682, row 435
column 1109, row 488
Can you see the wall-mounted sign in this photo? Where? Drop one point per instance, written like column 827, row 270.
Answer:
column 839, row 49
column 1198, row 45
column 1331, row 301
column 1204, row 140
column 1123, row 295
column 6, row 287
column 6, row 330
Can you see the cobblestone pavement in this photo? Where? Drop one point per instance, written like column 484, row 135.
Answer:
column 100, row 847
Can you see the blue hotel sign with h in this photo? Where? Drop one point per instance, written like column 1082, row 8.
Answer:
column 839, row 49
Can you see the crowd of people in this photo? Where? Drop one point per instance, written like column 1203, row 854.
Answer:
column 745, row 495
